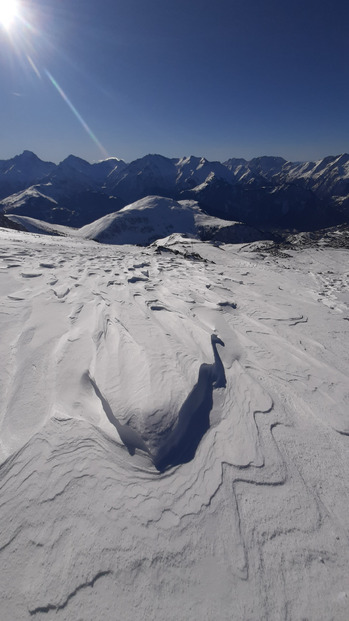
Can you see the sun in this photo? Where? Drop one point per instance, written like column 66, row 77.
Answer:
column 8, row 13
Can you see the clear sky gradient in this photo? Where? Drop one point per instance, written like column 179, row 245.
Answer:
column 230, row 78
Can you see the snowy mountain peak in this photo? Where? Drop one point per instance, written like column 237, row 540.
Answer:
column 109, row 159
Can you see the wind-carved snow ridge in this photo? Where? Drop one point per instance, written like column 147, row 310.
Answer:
column 173, row 424
column 194, row 415
column 167, row 421
column 192, row 423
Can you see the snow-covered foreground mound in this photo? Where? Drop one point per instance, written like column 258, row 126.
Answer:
column 173, row 432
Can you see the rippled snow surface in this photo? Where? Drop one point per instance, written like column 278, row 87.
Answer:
column 174, row 432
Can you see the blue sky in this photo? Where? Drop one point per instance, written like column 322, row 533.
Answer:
column 230, row 78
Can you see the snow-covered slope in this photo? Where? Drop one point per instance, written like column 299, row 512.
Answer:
column 32, row 225
column 261, row 168
column 36, row 201
column 192, row 171
column 70, row 193
column 60, row 204
column 143, row 222
column 149, row 219
column 21, row 172
column 21, row 200
column 174, row 432
column 26, row 170
column 328, row 177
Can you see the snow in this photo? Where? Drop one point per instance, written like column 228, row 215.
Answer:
column 194, row 171
column 33, row 225
column 143, row 221
column 174, row 424
column 17, row 200
column 147, row 220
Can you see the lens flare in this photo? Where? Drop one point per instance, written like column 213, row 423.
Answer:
column 28, row 42
column 77, row 114
column 8, row 13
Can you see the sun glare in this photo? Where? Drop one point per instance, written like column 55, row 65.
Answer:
column 8, row 12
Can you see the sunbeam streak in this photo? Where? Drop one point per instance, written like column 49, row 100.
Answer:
column 77, row 114
column 34, row 67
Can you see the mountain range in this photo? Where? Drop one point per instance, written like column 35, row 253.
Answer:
column 267, row 192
